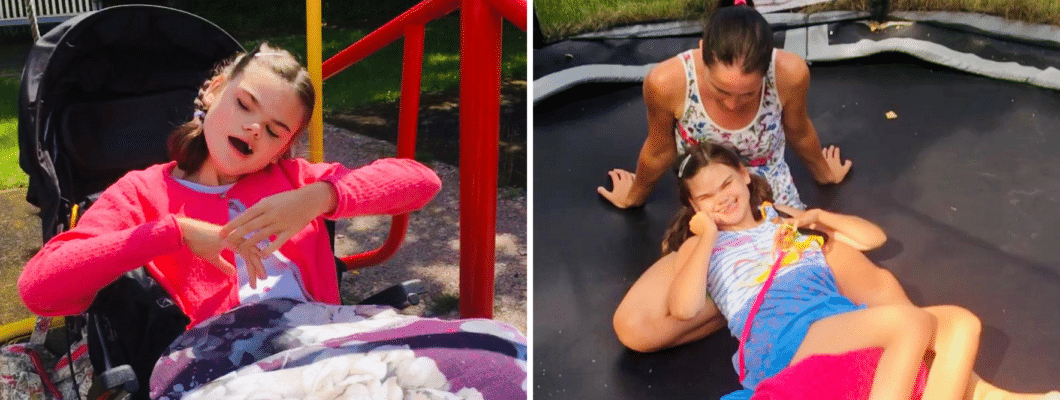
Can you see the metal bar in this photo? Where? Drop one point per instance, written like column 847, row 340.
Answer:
column 314, row 54
column 408, row 113
column 411, row 76
column 398, row 225
column 419, row 14
column 513, row 10
column 480, row 55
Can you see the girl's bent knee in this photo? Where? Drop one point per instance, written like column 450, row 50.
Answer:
column 958, row 318
column 920, row 323
column 909, row 321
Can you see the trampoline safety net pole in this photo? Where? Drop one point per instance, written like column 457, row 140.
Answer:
column 314, row 57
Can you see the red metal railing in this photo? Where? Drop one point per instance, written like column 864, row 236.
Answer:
column 480, row 44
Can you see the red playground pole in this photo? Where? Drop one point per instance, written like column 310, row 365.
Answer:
column 480, row 73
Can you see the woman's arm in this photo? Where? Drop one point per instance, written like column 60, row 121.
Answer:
column 793, row 80
column 659, row 150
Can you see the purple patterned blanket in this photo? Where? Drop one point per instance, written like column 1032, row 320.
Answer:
column 284, row 348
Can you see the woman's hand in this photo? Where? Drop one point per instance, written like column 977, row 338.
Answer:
column 837, row 167
column 204, row 239
column 702, row 223
column 267, row 225
column 621, row 185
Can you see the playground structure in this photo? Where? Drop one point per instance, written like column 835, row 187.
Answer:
column 479, row 115
column 480, row 44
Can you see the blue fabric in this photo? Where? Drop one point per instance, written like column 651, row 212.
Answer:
column 804, row 291
column 788, row 338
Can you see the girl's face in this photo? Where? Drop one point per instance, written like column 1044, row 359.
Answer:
column 722, row 191
column 733, row 89
column 249, row 124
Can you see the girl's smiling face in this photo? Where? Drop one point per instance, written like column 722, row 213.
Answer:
column 249, row 124
column 723, row 192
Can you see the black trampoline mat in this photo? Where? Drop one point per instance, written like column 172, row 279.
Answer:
column 966, row 183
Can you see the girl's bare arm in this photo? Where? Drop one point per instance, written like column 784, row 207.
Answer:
column 857, row 232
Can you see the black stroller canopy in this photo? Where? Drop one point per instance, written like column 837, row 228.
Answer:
column 101, row 92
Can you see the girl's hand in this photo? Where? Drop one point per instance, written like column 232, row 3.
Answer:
column 800, row 218
column 702, row 223
column 204, row 239
column 267, row 225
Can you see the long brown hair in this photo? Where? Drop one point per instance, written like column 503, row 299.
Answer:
column 187, row 144
column 738, row 33
column 698, row 157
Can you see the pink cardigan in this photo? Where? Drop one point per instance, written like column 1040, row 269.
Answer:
column 134, row 224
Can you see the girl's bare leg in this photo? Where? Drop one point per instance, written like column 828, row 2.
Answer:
column 643, row 321
column 955, row 345
column 903, row 332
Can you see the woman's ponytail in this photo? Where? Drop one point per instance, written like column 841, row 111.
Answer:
column 730, row 3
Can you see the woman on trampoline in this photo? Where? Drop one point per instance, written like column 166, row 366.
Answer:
column 736, row 89
column 776, row 288
column 746, row 83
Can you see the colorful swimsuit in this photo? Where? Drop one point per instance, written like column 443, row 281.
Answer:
column 760, row 143
column 803, row 292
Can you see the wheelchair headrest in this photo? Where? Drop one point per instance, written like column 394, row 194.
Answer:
column 104, row 139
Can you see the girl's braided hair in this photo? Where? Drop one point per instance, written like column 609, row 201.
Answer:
column 187, row 144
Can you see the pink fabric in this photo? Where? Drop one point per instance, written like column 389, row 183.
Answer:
column 846, row 376
column 134, row 224
column 754, row 309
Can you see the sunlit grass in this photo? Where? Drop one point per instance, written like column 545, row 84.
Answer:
column 563, row 18
column 377, row 78
column 11, row 176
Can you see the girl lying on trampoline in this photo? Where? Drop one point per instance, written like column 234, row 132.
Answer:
column 775, row 287
column 233, row 229
column 735, row 88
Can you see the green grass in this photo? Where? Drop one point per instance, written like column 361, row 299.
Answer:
column 563, row 18
column 444, row 304
column 377, row 78
column 11, row 176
